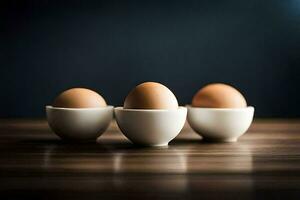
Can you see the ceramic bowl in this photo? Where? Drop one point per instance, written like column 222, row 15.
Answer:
column 150, row 127
column 79, row 123
column 220, row 124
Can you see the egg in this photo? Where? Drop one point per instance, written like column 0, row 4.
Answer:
column 79, row 98
column 219, row 95
column 151, row 95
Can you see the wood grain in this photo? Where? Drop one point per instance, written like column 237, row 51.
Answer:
column 265, row 163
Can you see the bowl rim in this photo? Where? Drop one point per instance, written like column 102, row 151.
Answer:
column 120, row 108
column 221, row 109
column 79, row 109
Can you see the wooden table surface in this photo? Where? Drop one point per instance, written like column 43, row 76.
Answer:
column 35, row 164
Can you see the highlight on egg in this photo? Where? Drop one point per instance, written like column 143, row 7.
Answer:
column 79, row 98
column 150, row 95
column 219, row 95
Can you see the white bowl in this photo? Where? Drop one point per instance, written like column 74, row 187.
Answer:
column 150, row 127
column 79, row 123
column 220, row 124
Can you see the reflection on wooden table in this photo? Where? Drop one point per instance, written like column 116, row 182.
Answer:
column 35, row 163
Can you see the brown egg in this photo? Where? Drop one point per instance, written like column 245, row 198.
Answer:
column 219, row 95
column 79, row 98
column 151, row 95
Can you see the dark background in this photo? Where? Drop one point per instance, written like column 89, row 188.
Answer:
column 110, row 46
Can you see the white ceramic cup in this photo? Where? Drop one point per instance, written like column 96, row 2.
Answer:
column 150, row 127
column 220, row 124
column 79, row 123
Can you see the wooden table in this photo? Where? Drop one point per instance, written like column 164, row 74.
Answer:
column 34, row 163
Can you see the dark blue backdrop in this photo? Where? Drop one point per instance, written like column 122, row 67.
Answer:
column 110, row 46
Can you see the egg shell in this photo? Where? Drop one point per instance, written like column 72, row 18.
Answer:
column 150, row 95
column 79, row 98
column 219, row 95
